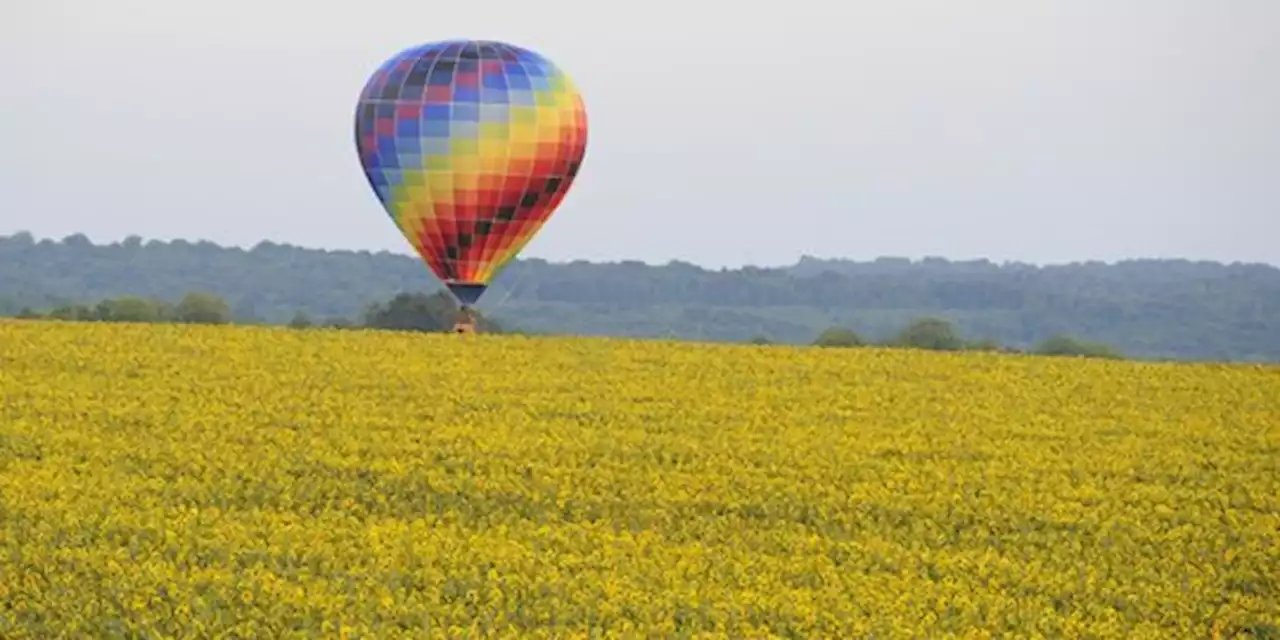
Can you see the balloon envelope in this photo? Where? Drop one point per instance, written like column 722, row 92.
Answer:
column 470, row 146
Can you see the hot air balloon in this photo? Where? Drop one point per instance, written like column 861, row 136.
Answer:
column 470, row 145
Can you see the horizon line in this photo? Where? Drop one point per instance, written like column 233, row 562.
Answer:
column 799, row 261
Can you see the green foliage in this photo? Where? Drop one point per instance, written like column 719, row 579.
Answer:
column 340, row 323
column 1147, row 308
column 300, row 320
column 413, row 312
column 936, row 334
column 194, row 308
column 73, row 312
column 421, row 312
column 1262, row 631
column 984, row 344
column 839, row 337
column 404, row 312
column 437, row 312
column 123, row 309
column 202, row 308
column 1061, row 345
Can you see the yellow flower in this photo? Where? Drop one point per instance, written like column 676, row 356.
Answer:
column 181, row 481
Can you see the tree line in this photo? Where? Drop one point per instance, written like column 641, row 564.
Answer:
column 437, row 312
column 1147, row 308
column 404, row 312
column 939, row 334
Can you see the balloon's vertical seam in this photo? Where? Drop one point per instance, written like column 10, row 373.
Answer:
column 433, row 235
column 492, row 239
column 460, row 197
column 478, row 195
column 409, row 217
column 514, row 240
column 405, row 204
column 456, row 264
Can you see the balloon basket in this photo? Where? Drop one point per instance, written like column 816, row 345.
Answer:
column 466, row 322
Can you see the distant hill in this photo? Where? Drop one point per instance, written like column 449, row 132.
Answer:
column 1147, row 308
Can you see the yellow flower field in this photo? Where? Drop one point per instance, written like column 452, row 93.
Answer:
column 170, row 481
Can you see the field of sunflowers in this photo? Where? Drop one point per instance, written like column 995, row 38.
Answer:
column 182, row 481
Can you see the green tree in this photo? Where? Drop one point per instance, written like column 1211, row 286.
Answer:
column 338, row 322
column 300, row 320
column 985, row 344
column 930, row 333
column 413, row 312
column 73, row 312
column 1062, row 345
column 199, row 307
column 131, row 309
column 421, row 312
column 839, row 337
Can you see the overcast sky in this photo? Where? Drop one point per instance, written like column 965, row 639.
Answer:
column 721, row 132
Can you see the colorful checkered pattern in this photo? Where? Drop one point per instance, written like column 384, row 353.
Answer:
column 470, row 146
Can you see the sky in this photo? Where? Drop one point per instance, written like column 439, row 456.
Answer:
column 721, row 133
